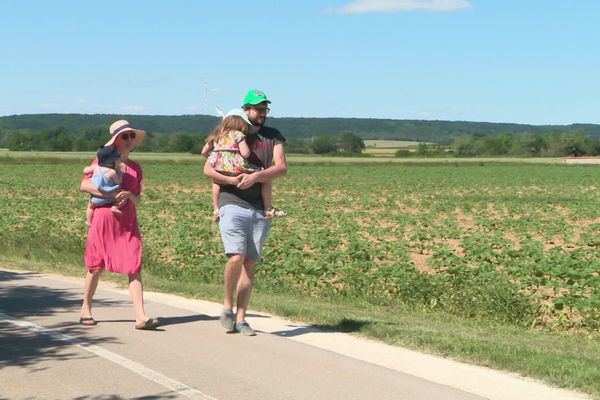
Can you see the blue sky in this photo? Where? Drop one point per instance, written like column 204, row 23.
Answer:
column 522, row 61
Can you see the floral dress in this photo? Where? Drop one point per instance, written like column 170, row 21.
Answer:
column 226, row 158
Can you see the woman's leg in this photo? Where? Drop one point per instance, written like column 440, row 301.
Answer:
column 136, row 290
column 89, row 289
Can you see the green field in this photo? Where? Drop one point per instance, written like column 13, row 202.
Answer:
column 491, row 261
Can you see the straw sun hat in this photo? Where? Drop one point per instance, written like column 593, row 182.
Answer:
column 121, row 126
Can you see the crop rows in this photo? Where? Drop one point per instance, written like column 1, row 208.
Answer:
column 513, row 243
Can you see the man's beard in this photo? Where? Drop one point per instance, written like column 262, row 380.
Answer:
column 259, row 122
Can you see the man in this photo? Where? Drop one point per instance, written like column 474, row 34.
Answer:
column 242, row 223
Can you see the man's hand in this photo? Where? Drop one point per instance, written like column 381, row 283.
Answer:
column 247, row 180
column 235, row 180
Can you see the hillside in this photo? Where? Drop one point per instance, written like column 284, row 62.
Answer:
column 420, row 130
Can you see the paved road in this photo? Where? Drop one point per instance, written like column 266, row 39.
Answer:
column 45, row 354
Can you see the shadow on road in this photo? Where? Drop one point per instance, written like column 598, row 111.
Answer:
column 164, row 321
column 14, row 276
column 23, row 348
column 165, row 395
column 23, row 301
column 345, row 326
column 19, row 346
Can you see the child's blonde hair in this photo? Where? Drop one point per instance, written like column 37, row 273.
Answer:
column 231, row 123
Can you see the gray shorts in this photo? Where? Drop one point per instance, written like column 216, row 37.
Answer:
column 243, row 231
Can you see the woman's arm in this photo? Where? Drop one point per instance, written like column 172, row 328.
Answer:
column 88, row 187
column 278, row 169
column 125, row 195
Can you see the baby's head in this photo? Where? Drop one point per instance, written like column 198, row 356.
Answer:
column 108, row 156
column 236, row 119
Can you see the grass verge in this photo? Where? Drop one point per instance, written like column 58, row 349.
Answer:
column 564, row 360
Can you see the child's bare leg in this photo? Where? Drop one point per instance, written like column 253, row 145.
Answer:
column 89, row 214
column 267, row 195
column 215, row 199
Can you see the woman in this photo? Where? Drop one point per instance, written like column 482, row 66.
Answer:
column 114, row 242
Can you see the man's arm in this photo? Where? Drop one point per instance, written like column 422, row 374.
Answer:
column 278, row 169
column 221, row 179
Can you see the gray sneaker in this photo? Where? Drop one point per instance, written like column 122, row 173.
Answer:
column 244, row 328
column 227, row 319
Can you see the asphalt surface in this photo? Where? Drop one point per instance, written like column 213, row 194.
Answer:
column 46, row 354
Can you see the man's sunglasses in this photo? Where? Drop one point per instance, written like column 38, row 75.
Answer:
column 262, row 110
column 126, row 136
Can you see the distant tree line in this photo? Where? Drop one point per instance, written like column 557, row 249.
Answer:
column 552, row 144
column 439, row 132
column 90, row 139
column 336, row 136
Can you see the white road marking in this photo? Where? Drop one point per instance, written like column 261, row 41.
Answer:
column 144, row 372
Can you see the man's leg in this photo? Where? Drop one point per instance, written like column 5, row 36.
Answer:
column 232, row 226
column 231, row 277
column 244, row 289
column 260, row 229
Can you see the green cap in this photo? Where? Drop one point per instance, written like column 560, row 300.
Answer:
column 254, row 97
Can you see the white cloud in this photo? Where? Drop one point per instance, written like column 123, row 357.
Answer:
column 388, row 6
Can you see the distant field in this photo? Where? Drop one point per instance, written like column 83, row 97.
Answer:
column 390, row 144
column 86, row 157
column 388, row 148
column 381, row 152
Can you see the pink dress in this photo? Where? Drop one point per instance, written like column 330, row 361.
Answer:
column 114, row 242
